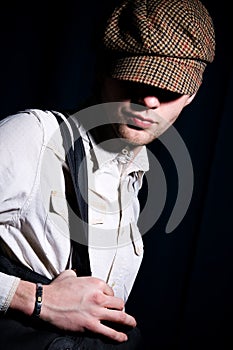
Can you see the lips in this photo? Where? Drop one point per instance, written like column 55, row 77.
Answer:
column 139, row 121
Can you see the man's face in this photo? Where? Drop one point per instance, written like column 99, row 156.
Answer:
column 141, row 113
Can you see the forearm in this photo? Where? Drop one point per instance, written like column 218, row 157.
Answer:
column 24, row 297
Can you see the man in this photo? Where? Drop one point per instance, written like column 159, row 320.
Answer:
column 68, row 268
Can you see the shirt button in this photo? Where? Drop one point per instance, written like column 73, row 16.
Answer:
column 125, row 151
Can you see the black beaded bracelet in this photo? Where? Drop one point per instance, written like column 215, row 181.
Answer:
column 38, row 302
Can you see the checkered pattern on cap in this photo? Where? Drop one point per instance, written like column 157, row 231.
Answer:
column 164, row 43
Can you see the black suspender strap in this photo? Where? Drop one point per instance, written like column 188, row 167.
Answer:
column 77, row 164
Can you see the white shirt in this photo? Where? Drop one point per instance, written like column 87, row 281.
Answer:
column 115, row 244
column 33, row 209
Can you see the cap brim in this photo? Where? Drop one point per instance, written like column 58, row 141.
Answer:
column 183, row 76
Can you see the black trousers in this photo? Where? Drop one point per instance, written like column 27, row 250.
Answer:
column 92, row 342
column 23, row 333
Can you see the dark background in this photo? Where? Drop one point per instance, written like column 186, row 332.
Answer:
column 183, row 296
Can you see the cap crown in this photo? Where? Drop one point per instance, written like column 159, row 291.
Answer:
column 173, row 28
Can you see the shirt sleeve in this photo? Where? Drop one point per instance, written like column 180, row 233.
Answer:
column 21, row 139
column 8, row 288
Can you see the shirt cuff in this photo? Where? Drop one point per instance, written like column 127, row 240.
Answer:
column 8, row 288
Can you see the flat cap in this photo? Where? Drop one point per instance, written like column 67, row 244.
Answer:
column 163, row 43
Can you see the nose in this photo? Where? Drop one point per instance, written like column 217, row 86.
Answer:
column 151, row 102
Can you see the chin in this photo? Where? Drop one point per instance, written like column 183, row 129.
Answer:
column 137, row 137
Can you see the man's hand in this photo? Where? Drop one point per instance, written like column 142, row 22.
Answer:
column 80, row 303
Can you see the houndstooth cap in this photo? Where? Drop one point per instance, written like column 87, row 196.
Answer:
column 163, row 43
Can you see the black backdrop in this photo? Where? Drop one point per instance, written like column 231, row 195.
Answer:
column 183, row 295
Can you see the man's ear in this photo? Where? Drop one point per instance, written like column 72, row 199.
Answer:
column 190, row 98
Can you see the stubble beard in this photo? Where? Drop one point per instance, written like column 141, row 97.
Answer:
column 135, row 137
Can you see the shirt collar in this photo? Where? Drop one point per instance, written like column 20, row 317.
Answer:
column 101, row 157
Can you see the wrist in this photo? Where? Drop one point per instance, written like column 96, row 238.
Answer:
column 24, row 297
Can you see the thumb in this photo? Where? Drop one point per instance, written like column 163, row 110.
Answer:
column 65, row 274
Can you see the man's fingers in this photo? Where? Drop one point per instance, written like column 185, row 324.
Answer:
column 110, row 333
column 120, row 317
column 111, row 302
column 108, row 290
column 115, row 317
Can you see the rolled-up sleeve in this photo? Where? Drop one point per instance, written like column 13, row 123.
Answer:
column 8, row 288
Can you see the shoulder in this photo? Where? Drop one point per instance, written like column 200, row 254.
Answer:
column 28, row 124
